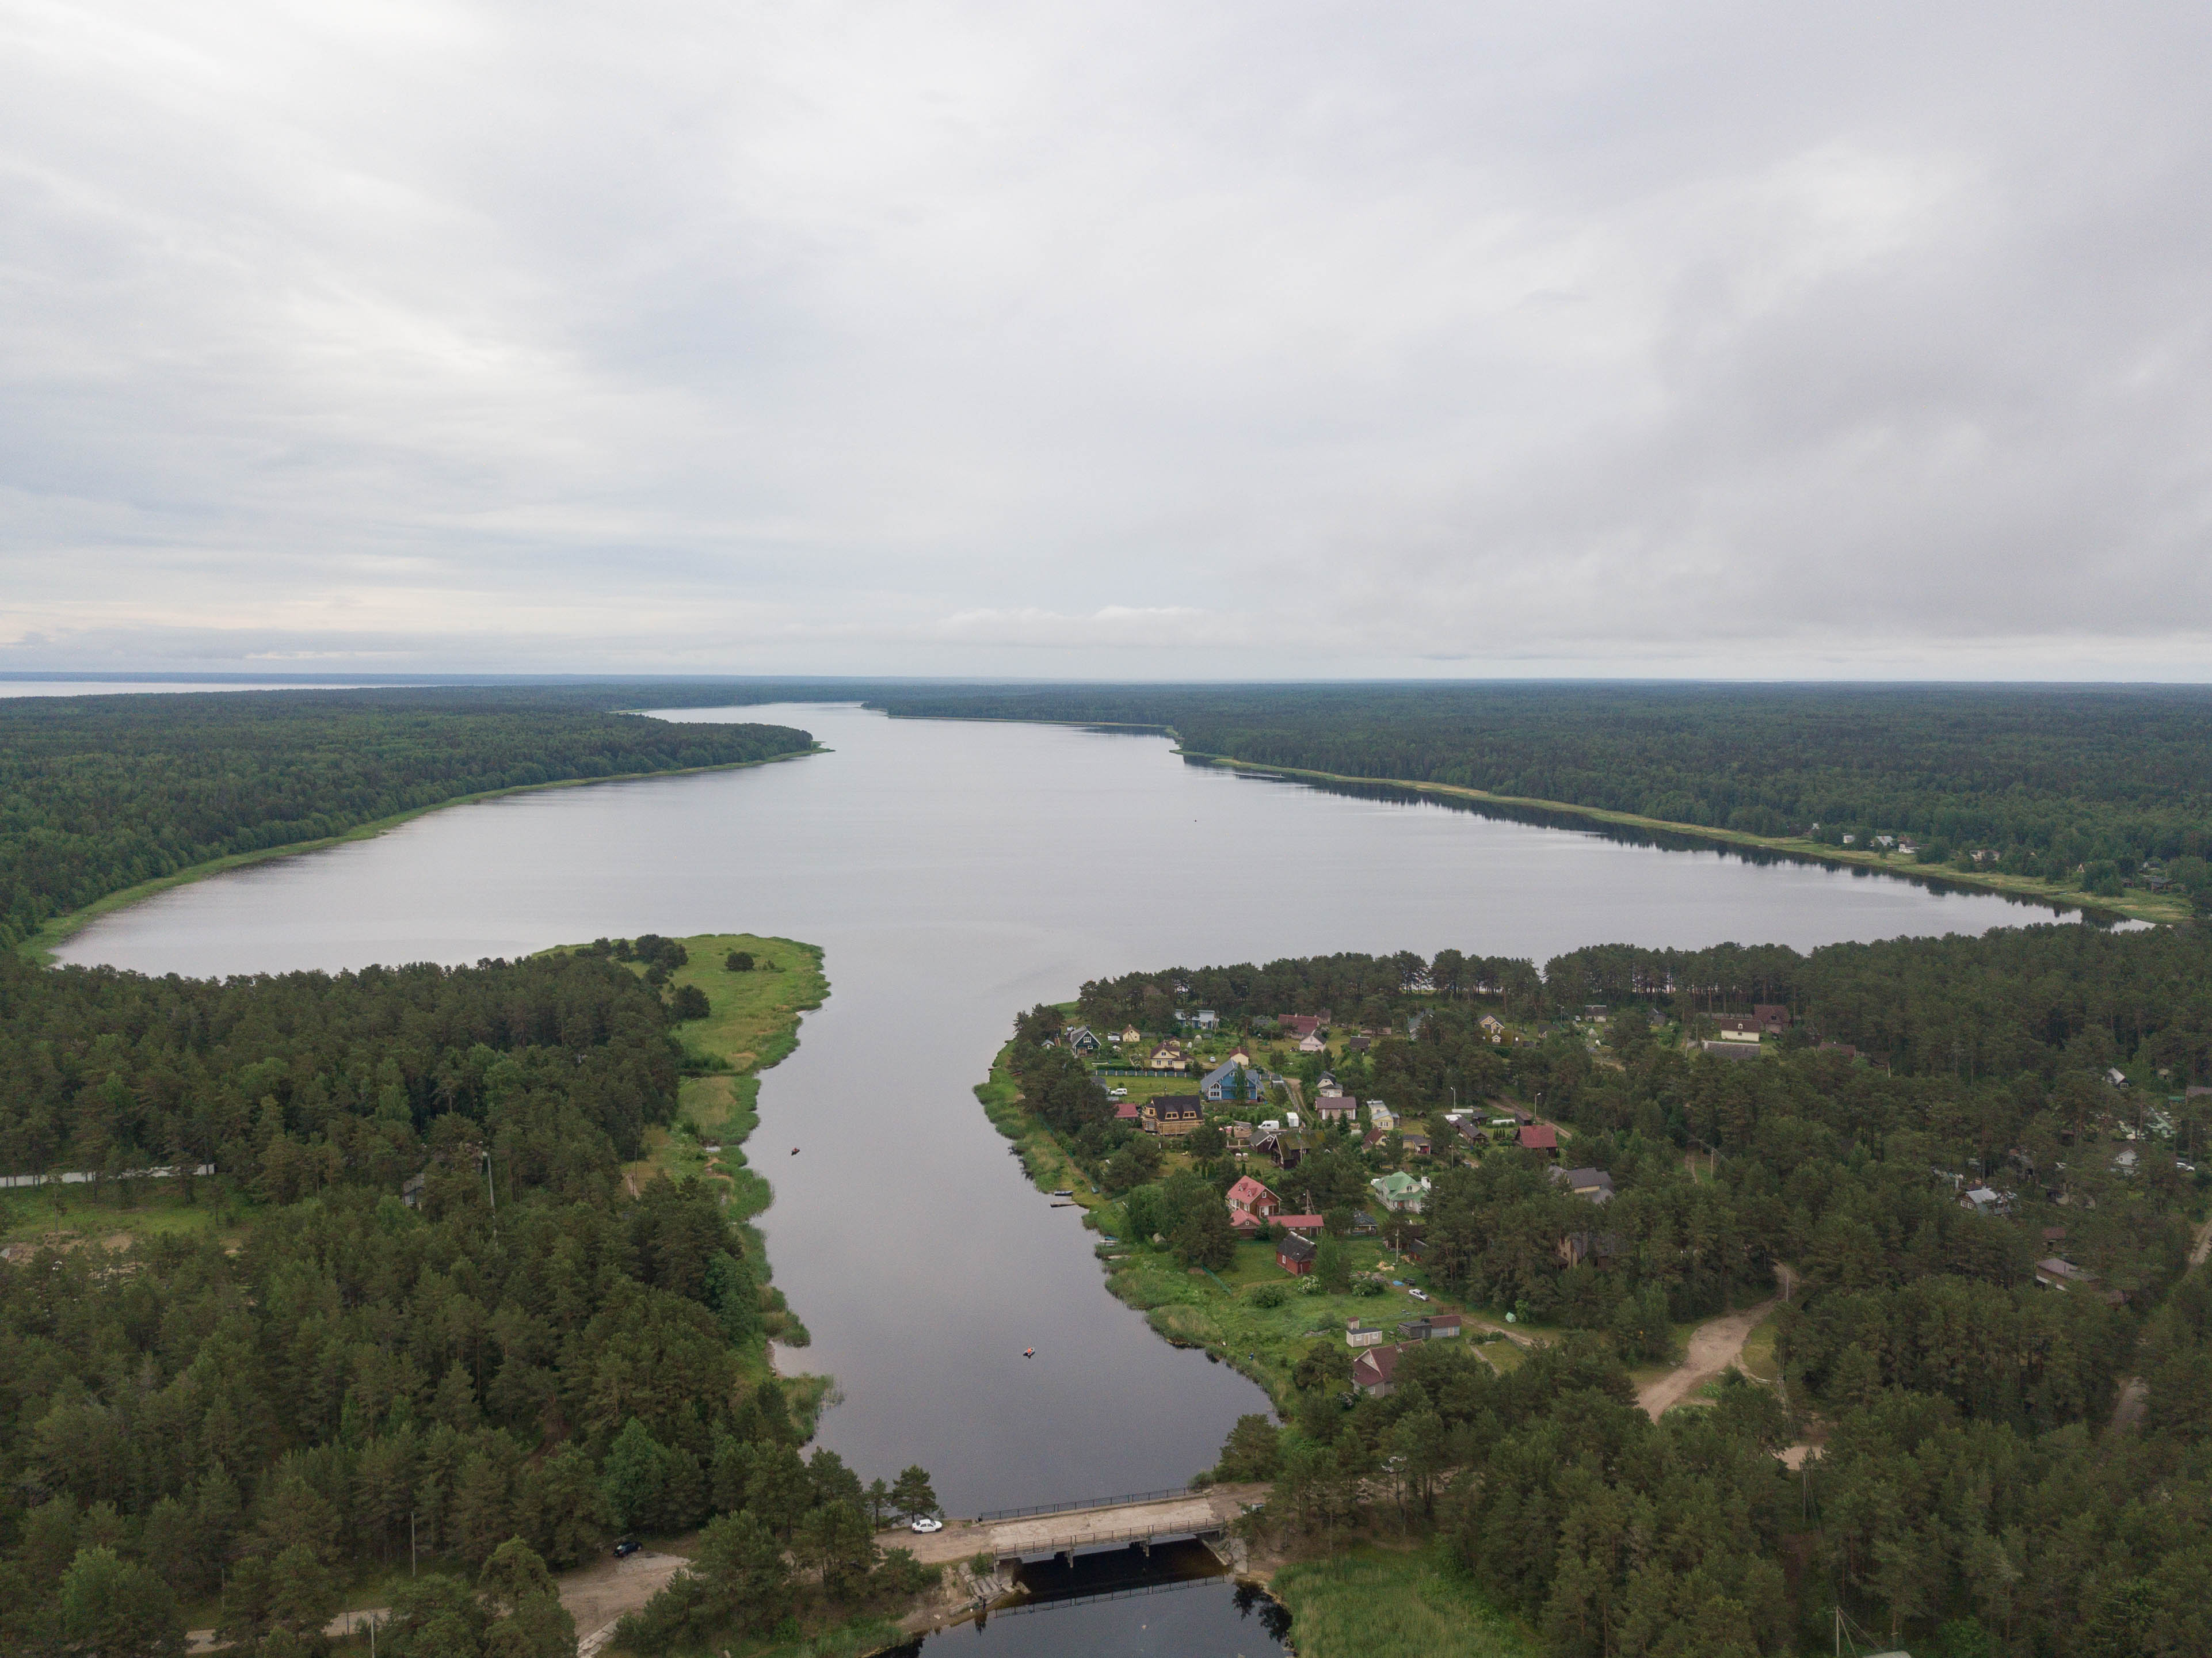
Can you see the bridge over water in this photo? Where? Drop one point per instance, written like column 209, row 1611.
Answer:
column 1067, row 1528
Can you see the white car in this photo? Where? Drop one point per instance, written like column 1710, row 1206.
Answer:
column 1417, row 1295
column 926, row 1524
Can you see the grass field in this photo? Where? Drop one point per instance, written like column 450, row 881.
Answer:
column 1371, row 1601
column 67, row 1216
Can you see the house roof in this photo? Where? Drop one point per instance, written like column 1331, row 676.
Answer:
column 1375, row 1366
column 1294, row 1248
column 2065, row 1269
column 1299, row 1223
column 1247, row 1191
column 1576, row 1180
column 1125, row 1111
column 1540, row 1137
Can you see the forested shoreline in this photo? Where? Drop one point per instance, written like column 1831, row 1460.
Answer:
column 1975, row 1489
column 101, row 794
column 2096, row 788
column 418, row 1309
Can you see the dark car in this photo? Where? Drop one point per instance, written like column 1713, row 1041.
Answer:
column 626, row 1548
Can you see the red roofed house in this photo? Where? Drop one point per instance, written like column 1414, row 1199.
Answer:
column 1374, row 1371
column 1308, row 1225
column 1299, row 1024
column 1126, row 1111
column 1249, row 1197
column 1541, row 1137
column 1294, row 1254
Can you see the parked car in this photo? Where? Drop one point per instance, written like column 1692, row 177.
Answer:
column 626, row 1548
column 926, row 1524
column 1417, row 1295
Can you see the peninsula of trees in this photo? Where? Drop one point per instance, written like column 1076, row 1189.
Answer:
column 358, row 1268
column 99, row 794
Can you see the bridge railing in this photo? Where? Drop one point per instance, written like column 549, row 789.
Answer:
column 1085, row 1502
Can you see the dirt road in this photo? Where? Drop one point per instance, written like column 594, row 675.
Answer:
column 1715, row 1346
column 596, row 1596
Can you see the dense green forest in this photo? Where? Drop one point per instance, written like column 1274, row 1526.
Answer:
column 1978, row 1490
column 416, row 1307
column 2092, row 784
column 99, row 793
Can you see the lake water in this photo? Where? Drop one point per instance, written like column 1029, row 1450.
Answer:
column 954, row 873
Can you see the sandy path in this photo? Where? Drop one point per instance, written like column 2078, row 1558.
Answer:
column 1715, row 1346
column 596, row 1596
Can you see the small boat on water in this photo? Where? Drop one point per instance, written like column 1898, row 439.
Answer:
column 1029, row 1353
column 1063, row 1194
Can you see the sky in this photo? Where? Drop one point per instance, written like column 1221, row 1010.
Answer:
column 1274, row 340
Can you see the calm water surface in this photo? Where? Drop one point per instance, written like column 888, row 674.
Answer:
column 955, row 872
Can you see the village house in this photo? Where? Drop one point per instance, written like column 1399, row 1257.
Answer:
column 1228, row 1081
column 1172, row 1114
column 1284, row 1147
column 1374, row 1371
column 1733, row 1028
column 1249, row 1197
column 1430, row 1327
column 1540, row 1137
column 1576, row 1248
column 1732, row 1049
column 1310, row 1226
column 1080, row 1040
column 1168, row 1056
column 1326, row 1088
column 1240, row 1135
column 1360, row 1044
column 1125, row 1111
column 2053, row 1273
column 1201, row 1019
column 1379, row 1116
column 1300, row 1025
column 1357, row 1334
column 1130, row 1034
column 1312, row 1043
column 1400, row 1191
column 1238, row 1056
column 1416, row 1143
column 1493, row 1027
column 1295, row 1254
column 1772, row 1017
column 1593, row 1184
column 1336, row 1108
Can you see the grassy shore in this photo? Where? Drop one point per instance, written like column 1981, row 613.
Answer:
column 42, row 945
column 752, row 1024
column 2134, row 903
column 1375, row 1601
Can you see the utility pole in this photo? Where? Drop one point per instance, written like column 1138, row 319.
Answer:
column 410, row 1543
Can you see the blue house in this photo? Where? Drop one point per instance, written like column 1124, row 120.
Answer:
column 1228, row 1081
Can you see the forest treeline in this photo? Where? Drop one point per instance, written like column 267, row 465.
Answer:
column 416, row 1306
column 1975, row 1494
column 98, row 793
column 2087, row 784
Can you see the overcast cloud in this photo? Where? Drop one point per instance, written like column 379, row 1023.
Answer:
column 1177, row 340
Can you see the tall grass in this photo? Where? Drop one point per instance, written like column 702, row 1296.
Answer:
column 1371, row 1602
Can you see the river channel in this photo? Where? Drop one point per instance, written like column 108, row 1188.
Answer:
column 955, row 872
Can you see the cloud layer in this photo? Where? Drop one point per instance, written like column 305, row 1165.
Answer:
column 1144, row 340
